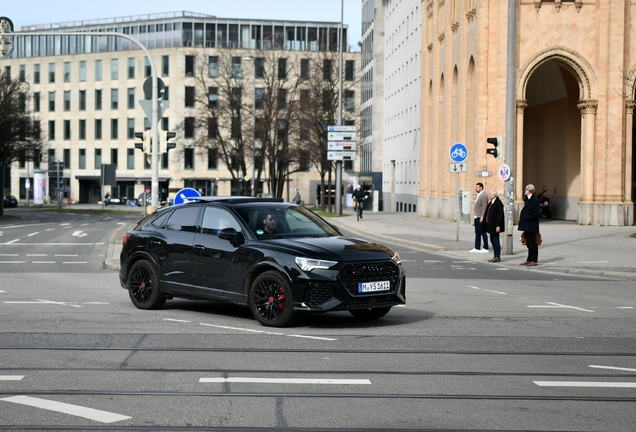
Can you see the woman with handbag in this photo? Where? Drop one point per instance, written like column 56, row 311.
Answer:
column 529, row 224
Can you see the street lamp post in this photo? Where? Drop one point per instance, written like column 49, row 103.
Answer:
column 250, row 58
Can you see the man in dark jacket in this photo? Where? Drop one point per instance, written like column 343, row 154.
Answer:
column 494, row 223
column 529, row 224
column 358, row 196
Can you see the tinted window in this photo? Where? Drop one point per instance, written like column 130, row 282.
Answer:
column 160, row 221
column 184, row 219
column 215, row 219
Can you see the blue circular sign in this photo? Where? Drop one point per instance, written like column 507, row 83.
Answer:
column 458, row 152
column 186, row 195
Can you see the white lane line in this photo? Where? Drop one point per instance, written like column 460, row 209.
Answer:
column 597, row 384
column 613, row 368
column 11, row 377
column 43, row 262
column 74, row 410
column 32, row 234
column 74, row 262
column 2, row 291
column 50, row 229
column 433, row 261
column 12, row 262
column 266, row 332
column 592, row 262
column 625, row 307
column 176, row 320
column 40, row 301
column 559, row 306
column 482, row 289
column 34, row 255
column 246, row 380
column 12, row 241
column 9, row 254
column 65, row 255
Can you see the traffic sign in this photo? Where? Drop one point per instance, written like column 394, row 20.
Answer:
column 458, row 152
column 458, row 167
column 341, row 136
column 504, row 172
column 341, row 128
column 331, row 145
column 161, row 88
column 340, row 155
column 186, row 195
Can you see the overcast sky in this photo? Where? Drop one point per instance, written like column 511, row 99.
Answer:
column 55, row 11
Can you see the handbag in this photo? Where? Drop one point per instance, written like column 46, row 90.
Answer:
column 523, row 239
column 539, row 239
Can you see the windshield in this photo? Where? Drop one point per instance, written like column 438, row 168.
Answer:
column 275, row 221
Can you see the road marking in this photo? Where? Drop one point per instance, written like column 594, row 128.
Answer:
column 624, row 307
column 40, row 301
column 43, row 262
column 32, row 234
column 50, row 229
column 286, row 381
column 79, row 234
column 65, row 255
column 2, row 291
column 496, row 292
column 74, row 262
column 34, row 255
column 9, row 254
column 12, row 262
column 11, row 377
column 557, row 305
column 75, row 410
column 597, row 384
column 12, row 241
column 176, row 320
column 433, row 261
column 592, row 262
column 266, row 332
column 613, row 368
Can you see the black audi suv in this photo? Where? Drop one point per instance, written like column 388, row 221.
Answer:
column 279, row 258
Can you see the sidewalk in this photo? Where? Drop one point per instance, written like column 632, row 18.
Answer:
column 598, row 251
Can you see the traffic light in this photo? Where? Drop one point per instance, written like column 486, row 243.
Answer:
column 497, row 150
column 146, row 145
column 164, row 145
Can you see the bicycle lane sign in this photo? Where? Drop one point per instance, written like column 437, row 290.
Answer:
column 458, row 152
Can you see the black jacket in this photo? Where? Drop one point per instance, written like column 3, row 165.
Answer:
column 494, row 217
column 529, row 216
column 358, row 195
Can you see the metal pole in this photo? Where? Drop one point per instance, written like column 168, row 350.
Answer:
column 510, row 122
column 339, row 163
column 254, row 129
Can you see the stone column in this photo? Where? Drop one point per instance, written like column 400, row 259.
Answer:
column 588, row 132
column 518, row 162
column 627, row 170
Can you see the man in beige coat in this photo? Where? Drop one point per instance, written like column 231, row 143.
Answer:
column 481, row 201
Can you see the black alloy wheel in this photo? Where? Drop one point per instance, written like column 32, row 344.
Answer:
column 143, row 286
column 271, row 300
column 370, row 314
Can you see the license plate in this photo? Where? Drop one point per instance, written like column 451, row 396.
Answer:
column 374, row 286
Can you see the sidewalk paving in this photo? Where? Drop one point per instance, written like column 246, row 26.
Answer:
column 584, row 250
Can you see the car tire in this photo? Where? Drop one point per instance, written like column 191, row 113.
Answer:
column 143, row 286
column 271, row 301
column 370, row 314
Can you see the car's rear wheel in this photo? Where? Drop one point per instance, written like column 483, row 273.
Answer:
column 370, row 314
column 143, row 286
column 271, row 300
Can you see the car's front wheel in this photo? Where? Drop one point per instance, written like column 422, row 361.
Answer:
column 370, row 314
column 271, row 301
column 143, row 286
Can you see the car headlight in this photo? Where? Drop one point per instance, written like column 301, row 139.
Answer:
column 396, row 258
column 308, row 264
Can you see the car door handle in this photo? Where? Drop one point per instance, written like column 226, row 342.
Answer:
column 199, row 247
column 155, row 242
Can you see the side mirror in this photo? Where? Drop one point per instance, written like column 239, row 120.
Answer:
column 234, row 237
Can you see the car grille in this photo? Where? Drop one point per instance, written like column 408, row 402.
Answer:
column 352, row 274
column 318, row 293
column 390, row 300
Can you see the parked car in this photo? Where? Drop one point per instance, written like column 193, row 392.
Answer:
column 10, row 201
column 219, row 248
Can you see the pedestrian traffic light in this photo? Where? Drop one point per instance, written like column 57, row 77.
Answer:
column 497, row 150
column 164, row 145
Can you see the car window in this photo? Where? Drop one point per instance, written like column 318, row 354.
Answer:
column 160, row 220
column 290, row 221
column 184, row 219
column 215, row 219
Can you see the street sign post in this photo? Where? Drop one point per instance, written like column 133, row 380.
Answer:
column 458, row 167
column 458, row 152
column 341, row 136
column 185, row 195
column 333, row 128
column 341, row 155
column 339, row 145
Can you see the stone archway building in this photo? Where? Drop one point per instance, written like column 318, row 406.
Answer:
column 575, row 75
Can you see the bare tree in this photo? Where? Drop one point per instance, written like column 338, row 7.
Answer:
column 19, row 131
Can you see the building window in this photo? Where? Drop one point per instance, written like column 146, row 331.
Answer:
column 67, row 72
column 51, row 72
column 213, row 97
column 305, row 130
column 51, row 101
column 188, row 162
column 213, row 128
column 98, row 70
column 147, row 68
column 165, row 65
column 98, row 159
column 114, row 69
column 305, row 99
column 349, row 100
column 189, row 65
column 304, row 160
column 213, row 159
column 82, row 158
column 189, row 97
column 130, row 159
column 82, row 129
column 82, row 100
column 67, row 130
column 282, row 68
column 67, row 100
column 259, row 98
column 114, row 99
column 67, row 158
column 281, row 99
column 188, row 127
column 349, row 70
column 51, row 130
column 36, row 74
column 114, row 156
column 98, row 129
column 114, row 129
column 98, row 100
column 237, row 67
column 131, row 68
column 327, row 69
column 82, row 71
column 213, row 66
column 130, row 127
column 131, row 98
column 36, row 102
column 259, row 67
column 305, row 71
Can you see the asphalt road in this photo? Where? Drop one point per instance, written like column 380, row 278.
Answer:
column 473, row 349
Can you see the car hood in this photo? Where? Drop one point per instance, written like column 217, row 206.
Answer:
column 338, row 248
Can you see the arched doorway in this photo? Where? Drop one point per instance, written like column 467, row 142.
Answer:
column 552, row 136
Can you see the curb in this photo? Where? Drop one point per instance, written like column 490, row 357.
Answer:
column 114, row 246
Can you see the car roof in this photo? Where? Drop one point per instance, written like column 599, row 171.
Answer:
column 235, row 199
